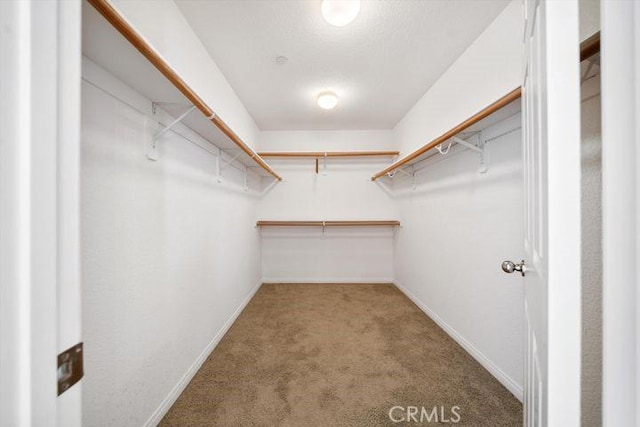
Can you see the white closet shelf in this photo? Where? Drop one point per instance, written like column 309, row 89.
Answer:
column 499, row 110
column 332, row 223
column 127, row 55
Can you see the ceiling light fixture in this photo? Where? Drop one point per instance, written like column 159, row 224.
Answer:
column 340, row 12
column 327, row 100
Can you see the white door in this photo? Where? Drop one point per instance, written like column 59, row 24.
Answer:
column 551, row 126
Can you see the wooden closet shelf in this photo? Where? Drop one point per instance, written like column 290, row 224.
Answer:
column 114, row 17
column 328, row 223
column 318, row 154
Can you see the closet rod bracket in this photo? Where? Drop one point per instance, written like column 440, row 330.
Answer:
column 402, row 171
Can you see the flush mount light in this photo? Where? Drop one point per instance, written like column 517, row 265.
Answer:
column 327, row 100
column 340, row 12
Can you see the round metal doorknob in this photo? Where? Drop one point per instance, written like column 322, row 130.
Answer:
column 510, row 267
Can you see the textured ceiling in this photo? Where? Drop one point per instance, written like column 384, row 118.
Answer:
column 379, row 65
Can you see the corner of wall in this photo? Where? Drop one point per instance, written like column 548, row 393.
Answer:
column 175, row 393
column 499, row 374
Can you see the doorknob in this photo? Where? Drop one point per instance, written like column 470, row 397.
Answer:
column 510, row 267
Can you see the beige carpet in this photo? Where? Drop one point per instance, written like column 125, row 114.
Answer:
column 339, row 355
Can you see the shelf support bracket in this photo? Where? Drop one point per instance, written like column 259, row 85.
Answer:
column 152, row 145
column 233, row 159
column 467, row 144
column 218, row 170
column 484, row 167
column 477, row 148
column 173, row 123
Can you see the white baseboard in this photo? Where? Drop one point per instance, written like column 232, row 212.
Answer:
column 168, row 402
column 327, row 280
column 500, row 375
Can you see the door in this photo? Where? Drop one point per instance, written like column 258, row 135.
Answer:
column 551, row 152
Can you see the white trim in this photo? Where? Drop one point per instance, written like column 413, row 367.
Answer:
column 620, row 61
column 168, row 401
column 340, row 280
column 498, row 373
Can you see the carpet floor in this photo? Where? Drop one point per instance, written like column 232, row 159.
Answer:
column 340, row 355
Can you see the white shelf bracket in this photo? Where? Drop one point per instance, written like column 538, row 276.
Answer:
column 218, row 170
column 152, row 148
column 484, row 164
column 479, row 148
column 173, row 123
column 233, row 159
column 466, row 144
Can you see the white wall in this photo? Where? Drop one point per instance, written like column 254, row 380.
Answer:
column 167, row 30
column 459, row 225
column 342, row 191
column 168, row 256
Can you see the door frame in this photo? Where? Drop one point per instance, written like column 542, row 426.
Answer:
column 563, row 205
column 40, row 46
column 620, row 65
